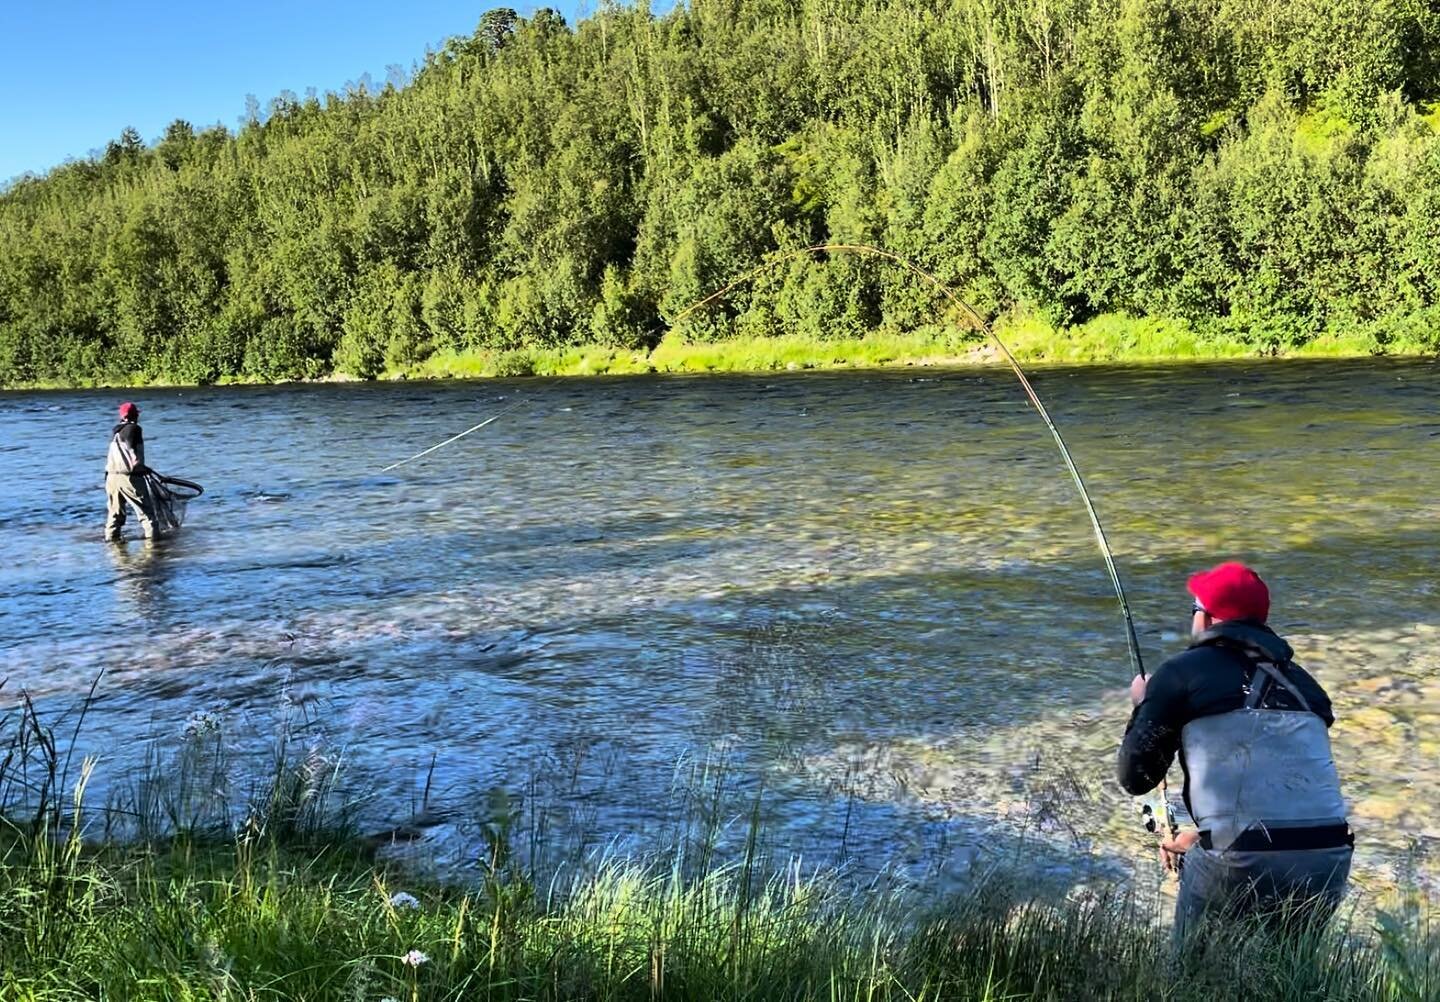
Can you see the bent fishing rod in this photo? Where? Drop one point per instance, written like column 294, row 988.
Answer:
column 979, row 324
column 1154, row 808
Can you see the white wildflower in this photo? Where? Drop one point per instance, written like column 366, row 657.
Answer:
column 213, row 956
column 199, row 724
column 402, row 900
column 414, row 959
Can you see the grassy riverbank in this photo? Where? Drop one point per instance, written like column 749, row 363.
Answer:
column 537, row 182
column 276, row 897
column 258, row 919
column 1107, row 340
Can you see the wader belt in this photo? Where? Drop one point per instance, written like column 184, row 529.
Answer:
column 1272, row 839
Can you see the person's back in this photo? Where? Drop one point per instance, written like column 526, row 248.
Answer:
column 125, row 471
column 1250, row 728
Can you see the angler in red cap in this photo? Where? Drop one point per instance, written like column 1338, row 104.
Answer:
column 125, row 472
column 1251, row 729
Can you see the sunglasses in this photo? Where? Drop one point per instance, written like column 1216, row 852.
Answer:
column 1197, row 607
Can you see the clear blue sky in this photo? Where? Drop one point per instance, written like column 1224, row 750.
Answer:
column 74, row 73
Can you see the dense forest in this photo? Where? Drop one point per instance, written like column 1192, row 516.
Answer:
column 1261, row 169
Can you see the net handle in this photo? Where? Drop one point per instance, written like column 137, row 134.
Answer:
column 181, row 482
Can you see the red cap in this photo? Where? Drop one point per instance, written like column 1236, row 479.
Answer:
column 1231, row 591
column 128, row 411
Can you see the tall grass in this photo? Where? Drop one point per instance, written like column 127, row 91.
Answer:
column 289, row 904
column 737, row 354
column 1107, row 339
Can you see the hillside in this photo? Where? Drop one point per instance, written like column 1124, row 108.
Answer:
column 1263, row 172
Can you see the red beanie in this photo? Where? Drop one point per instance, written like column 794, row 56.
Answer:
column 128, row 411
column 1231, row 591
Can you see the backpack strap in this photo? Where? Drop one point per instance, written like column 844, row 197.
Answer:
column 120, row 448
column 1273, row 674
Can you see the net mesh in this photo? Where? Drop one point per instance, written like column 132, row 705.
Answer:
column 168, row 498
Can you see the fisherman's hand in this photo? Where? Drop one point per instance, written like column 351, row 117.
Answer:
column 1172, row 852
column 1137, row 690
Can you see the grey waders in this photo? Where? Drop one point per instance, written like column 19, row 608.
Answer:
column 1266, row 797
column 122, row 489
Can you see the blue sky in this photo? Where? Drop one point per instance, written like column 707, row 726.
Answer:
column 73, row 74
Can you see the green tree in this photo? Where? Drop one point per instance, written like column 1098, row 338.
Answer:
column 1264, row 170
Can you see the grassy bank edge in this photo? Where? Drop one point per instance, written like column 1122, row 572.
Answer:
column 1106, row 340
column 263, row 919
column 275, row 895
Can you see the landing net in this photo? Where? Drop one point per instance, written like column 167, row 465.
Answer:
column 168, row 498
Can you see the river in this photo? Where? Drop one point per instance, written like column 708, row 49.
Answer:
column 870, row 601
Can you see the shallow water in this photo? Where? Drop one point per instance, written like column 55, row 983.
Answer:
column 873, row 597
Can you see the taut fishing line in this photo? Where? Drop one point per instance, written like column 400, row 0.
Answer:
column 1154, row 809
column 455, row 438
column 978, row 323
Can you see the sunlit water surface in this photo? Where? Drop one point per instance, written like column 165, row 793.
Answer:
column 869, row 601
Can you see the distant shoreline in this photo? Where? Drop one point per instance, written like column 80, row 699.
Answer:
column 1109, row 340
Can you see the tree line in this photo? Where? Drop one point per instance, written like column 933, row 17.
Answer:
column 1262, row 169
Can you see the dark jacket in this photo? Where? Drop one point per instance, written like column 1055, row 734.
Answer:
column 129, row 434
column 1210, row 677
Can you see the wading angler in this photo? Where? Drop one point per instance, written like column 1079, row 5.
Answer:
column 158, row 501
column 125, row 471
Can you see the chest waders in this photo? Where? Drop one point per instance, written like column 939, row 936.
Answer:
column 115, row 458
column 125, row 490
column 158, row 501
column 1265, row 796
column 1262, row 778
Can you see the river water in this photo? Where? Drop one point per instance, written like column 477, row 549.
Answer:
column 868, row 601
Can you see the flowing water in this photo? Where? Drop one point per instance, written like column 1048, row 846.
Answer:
column 871, row 601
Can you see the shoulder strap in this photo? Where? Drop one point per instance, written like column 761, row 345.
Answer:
column 115, row 441
column 1273, row 674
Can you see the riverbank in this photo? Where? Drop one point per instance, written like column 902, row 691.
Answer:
column 1106, row 340
column 276, row 897
column 261, row 920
